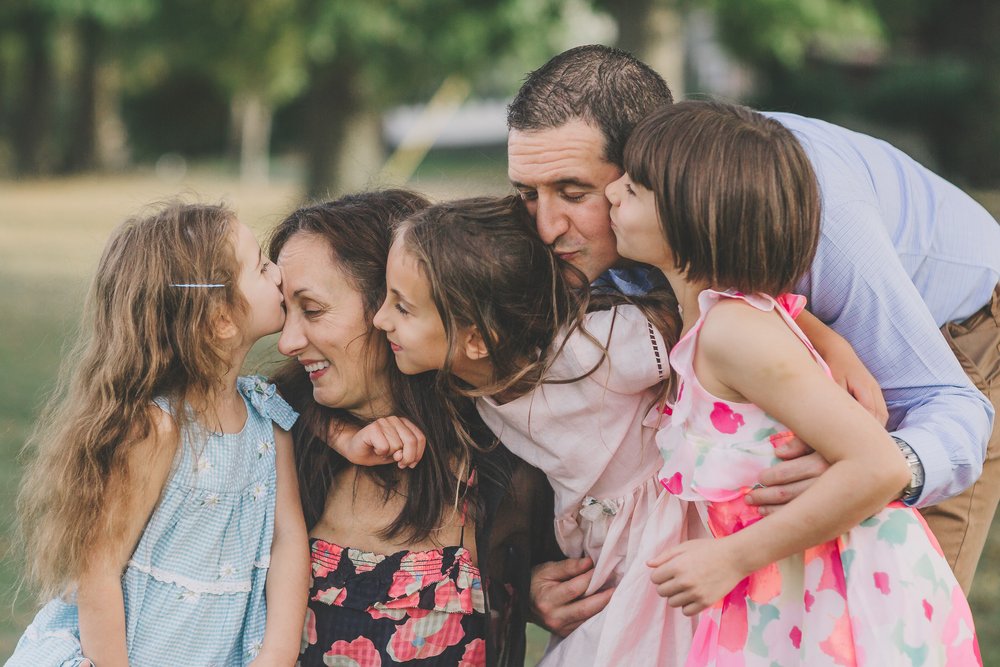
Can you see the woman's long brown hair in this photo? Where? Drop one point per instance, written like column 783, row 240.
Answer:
column 358, row 232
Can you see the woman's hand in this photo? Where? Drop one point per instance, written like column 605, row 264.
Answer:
column 386, row 440
column 696, row 574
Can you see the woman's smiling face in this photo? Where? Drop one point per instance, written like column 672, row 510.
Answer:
column 327, row 330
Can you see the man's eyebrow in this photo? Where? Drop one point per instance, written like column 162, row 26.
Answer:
column 562, row 182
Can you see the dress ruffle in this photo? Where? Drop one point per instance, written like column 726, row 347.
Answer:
column 440, row 579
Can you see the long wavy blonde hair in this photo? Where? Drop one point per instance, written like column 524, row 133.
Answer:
column 141, row 337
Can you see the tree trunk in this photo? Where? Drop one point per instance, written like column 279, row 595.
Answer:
column 33, row 108
column 81, row 154
column 255, row 138
column 968, row 139
column 652, row 31
column 632, row 18
column 331, row 102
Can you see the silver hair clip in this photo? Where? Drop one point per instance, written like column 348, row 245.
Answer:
column 197, row 284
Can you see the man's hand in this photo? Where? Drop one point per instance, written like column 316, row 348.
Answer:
column 784, row 481
column 556, row 595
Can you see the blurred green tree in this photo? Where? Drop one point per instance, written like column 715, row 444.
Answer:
column 252, row 51
column 35, row 33
column 26, row 86
column 943, row 81
column 363, row 55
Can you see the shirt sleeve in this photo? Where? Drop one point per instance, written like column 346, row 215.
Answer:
column 636, row 354
column 859, row 288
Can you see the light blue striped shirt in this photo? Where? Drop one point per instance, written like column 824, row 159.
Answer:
column 901, row 252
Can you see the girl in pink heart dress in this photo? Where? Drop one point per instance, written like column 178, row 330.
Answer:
column 724, row 202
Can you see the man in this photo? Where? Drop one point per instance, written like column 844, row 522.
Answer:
column 902, row 253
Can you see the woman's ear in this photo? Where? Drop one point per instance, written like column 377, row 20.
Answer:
column 473, row 344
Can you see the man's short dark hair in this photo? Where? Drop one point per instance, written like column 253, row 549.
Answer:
column 606, row 87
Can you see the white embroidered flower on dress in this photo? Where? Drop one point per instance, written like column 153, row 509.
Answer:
column 188, row 596
column 203, row 464
column 210, row 500
column 258, row 490
column 255, row 648
column 227, row 570
column 264, row 447
column 593, row 508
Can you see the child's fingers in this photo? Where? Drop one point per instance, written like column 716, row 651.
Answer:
column 682, row 599
column 661, row 558
column 413, row 444
column 375, row 437
column 390, row 431
column 693, row 608
column 398, row 434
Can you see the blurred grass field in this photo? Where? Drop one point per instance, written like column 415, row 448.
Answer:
column 51, row 234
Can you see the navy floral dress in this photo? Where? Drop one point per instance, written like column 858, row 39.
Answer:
column 413, row 607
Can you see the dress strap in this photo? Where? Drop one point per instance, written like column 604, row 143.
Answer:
column 265, row 399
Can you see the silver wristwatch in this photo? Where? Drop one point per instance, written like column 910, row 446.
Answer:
column 912, row 490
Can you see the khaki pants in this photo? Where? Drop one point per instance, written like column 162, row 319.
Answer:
column 962, row 523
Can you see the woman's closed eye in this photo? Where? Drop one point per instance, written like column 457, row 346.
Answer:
column 311, row 310
column 399, row 308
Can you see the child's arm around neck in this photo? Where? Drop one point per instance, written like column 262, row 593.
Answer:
column 99, row 593
column 749, row 355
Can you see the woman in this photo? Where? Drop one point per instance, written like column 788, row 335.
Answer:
column 429, row 564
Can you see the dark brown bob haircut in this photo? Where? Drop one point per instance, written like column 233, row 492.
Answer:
column 736, row 196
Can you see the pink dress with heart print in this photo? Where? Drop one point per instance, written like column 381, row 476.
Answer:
column 881, row 594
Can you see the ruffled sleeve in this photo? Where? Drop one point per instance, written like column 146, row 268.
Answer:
column 792, row 303
column 264, row 397
column 620, row 349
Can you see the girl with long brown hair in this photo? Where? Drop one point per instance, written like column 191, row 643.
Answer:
column 160, row 504
column 475, row 294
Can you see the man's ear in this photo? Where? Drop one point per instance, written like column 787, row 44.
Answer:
column 473, row 344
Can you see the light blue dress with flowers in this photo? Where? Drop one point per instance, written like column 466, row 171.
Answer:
column 194, row 586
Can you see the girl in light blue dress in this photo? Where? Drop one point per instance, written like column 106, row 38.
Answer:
column 160, row 509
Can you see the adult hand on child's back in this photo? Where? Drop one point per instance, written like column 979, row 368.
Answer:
column 557, row 595
column 854, row 377
column 785, row 481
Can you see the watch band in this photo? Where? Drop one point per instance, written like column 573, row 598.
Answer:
column 912, row 490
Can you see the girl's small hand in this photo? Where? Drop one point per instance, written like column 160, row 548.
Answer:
column 696, row 574
column 390, row 439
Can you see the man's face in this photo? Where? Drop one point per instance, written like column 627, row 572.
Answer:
column 561, row 175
